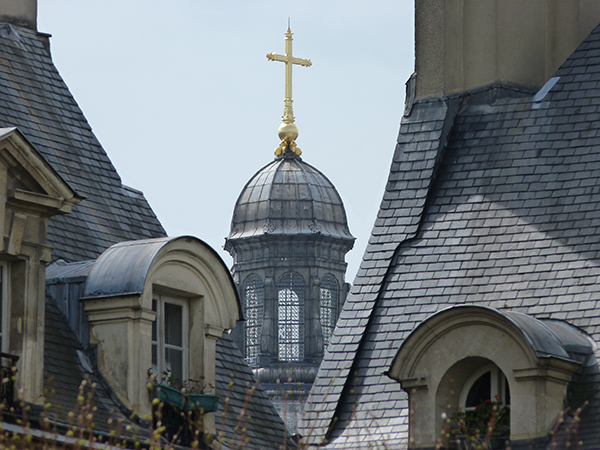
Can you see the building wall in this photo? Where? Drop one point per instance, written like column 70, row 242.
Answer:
column 466, row 44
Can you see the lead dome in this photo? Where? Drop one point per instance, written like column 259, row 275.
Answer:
column 289, row 197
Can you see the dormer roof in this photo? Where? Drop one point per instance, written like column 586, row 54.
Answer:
column 32, row 181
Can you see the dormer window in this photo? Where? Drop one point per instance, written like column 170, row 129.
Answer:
column 167, row 303
column 488, row 383
column 169, row 340
column 465, row 355
column 31, row 192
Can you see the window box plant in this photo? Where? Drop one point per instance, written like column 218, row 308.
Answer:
column 488, row 425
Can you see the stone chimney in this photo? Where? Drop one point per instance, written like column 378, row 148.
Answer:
column 19, row 12
column 465, row 44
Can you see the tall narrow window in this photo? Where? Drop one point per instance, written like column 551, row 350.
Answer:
column 254, row 295
column 291, row 317
column 328, row 305
column 169, row 340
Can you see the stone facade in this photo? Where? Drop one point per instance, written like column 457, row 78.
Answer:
column 30, row 193
column 464, row 44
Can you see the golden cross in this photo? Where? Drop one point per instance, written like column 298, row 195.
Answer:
column 289, row 60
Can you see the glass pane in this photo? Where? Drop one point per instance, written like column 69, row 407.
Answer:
column 174, row 365
column 173, row 324
column 327, row 321
column 480, row 391
column 289, row 326
column 291, row 317
column 328, row 305
column 254, row 296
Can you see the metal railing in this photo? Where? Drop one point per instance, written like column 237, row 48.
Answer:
column 181, row 423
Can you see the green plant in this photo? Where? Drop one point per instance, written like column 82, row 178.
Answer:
column 489, row 420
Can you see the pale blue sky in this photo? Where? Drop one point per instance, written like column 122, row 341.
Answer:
column 183, row 99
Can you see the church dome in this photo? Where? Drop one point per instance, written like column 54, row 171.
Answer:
column 289, row 197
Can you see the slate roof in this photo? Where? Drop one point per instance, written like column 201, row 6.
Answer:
column 35, row 99
column 248, row 406
column 492, row 199
column 62, row 349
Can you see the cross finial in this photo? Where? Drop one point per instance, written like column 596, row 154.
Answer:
column 288, row 131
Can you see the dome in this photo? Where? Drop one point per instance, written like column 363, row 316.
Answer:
column 289, row 197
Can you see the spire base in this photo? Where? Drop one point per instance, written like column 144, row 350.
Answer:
column 287, row 147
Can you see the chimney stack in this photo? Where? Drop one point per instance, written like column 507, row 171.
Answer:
column 19, row 12
column 465, row 44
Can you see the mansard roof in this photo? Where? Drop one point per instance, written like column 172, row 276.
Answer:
column 35, row 99
column 493, row 200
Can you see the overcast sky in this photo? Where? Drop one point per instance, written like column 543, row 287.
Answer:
column 183, row 99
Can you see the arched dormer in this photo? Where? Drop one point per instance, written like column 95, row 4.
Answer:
column 134, row 289
column 439, row 358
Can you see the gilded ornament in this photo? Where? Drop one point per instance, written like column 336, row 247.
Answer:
column 288, row 131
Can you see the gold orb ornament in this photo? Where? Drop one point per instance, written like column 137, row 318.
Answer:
column 288, row 132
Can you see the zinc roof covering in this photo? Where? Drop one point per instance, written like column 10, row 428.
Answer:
column 289, row 197
column 545, row 340
column 123, row 268
column 35, row 99
column 491, row 200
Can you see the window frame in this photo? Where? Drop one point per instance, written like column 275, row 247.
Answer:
column 160, row 368
column 329, row 292
column 290, row 296
column 254, row 305
column 498, row 383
